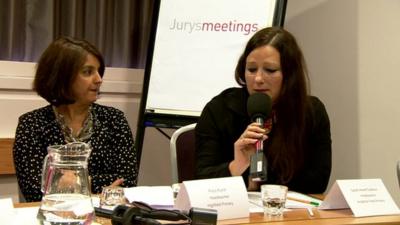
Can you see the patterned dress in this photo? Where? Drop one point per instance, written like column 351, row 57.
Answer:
column 113, row 154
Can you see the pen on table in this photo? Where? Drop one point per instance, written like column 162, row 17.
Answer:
column 310, row 212
column 304, row 201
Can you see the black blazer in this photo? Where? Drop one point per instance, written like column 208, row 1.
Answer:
column 224, row 119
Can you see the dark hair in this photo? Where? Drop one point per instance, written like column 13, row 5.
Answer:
column 58, row 67
column 286, row 150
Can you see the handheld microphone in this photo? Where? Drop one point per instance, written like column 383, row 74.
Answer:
column 259, row 106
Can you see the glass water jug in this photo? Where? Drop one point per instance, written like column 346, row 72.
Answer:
column 65, row 186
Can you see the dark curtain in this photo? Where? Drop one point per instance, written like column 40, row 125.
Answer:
column 119, row 28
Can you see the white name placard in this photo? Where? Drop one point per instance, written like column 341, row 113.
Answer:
column 365, row 197
column 227, row 195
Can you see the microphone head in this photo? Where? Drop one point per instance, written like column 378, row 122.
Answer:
column 259, row 105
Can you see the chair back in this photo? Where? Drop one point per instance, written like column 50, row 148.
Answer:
column 183, row 156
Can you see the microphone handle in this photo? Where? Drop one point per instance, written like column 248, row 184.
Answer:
column 260, row 143
column 258, row 162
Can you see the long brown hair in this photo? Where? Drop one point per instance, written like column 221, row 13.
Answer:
column 286, row 148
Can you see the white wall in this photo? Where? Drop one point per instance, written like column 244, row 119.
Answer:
column 351, row 47
column 378, row 90
column 327, row 32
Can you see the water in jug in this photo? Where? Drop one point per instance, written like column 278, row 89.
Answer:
column 65, row 186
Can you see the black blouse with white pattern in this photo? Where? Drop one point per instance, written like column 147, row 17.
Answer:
column 113, row 154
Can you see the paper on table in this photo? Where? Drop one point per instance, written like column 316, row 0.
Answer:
column 26, row 216
column 17, row 216
column 6, row 205
column 256, row 202
column 156, row 196
column 7, row 211
column 96, row 201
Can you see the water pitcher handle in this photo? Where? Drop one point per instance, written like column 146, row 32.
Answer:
column 46, row 174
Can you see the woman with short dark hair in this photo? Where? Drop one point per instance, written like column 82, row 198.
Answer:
column 58, row 67
column 69, row 75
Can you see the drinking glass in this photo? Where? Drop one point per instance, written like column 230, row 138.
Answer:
column 273, row 199
column 112, row 196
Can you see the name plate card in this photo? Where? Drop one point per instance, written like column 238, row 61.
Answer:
column 365, row 197
column 227, row 195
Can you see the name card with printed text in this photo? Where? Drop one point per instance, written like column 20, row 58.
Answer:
column 365, row 197
column 227, row 195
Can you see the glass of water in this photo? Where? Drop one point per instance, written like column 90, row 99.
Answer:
column 273, row 198
column 112, row 196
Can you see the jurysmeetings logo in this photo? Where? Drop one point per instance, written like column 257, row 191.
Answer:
column 229, row 26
